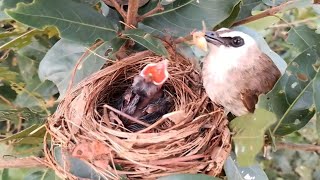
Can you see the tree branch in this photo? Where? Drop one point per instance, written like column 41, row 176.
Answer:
column 269, row 12
column 298, row 147
column 28, row 162
column 132, row 13
column 158, row 8
column 118, row 8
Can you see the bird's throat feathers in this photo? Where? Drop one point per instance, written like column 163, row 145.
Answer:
column 222, row 59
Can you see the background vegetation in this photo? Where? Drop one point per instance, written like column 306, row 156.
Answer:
column 41, row 41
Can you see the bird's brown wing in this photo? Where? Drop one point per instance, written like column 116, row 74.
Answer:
column 249, row 99
column 261, row 82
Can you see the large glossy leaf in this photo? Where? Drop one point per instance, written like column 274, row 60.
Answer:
column 230, row 20
column 7, row 4
column 75, row 21
column 59, row 63
column 249, row 132
column 234, row 172
column 188, row 177
column 246, row 8
column 146, row 40
column 292, row 97
column 182, row 16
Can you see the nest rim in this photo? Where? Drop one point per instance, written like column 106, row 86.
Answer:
column 192, row 103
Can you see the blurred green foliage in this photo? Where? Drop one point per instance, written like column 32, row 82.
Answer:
column 26, row 43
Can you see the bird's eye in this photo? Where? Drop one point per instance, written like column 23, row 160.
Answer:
column 237, row 41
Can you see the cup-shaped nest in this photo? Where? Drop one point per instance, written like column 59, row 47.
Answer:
column 193, row 137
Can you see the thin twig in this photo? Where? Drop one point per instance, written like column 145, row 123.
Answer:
column 158, row 8
column 118, row 8
column 28, row 162
column 301, row 147
column 295, row 23
column 85, row 54
column 126, row 116
column 132, row 13
column 269, row 12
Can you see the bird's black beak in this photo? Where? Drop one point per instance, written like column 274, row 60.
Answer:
column 214, row 38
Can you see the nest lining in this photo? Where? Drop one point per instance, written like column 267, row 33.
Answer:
column 192, row 138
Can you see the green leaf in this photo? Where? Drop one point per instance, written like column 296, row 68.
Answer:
column 90, row 2
column 273, row 2
column 59, row 63
column 7, row 75
column 249, row 132
column 230, row 20
column 35, row 92
column 5, row 174
column 7, row 4
column 46, row 174
column 292, row 97
column 75, row 21
column 182, row 16
column 303, row 38
column 246, row 8
column 234, row 172
column 316, row 99
column 21, row 40
column 30, row 116
column 36, row 50
column 188, row 177
column 28, row 132
column 146, row 40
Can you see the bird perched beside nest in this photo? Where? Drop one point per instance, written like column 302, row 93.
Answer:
column 192, row 137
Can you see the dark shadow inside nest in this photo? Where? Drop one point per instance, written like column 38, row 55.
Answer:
column 113, row 96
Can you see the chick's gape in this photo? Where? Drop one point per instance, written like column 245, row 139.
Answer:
column 236, row 71
column 145, row 99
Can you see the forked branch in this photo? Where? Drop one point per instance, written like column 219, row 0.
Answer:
column 158, row 8
column 118, row 8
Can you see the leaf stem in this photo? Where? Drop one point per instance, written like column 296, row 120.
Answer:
column 269, row 12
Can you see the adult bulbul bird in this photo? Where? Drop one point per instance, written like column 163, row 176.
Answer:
column 235, row 71
column 145, row 99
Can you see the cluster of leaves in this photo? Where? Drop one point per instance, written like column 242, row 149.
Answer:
column 43, row 40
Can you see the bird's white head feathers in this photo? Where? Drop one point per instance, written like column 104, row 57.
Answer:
column 227, row 48
column 248, row 40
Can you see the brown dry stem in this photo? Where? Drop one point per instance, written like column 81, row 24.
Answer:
column 269, row 12
column 118, row 8
column 158, row 8
column 298, row 147
column 132, row 13
column 126, row 115
column 29, row 162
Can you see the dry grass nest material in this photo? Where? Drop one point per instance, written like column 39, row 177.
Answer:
column 192, row 138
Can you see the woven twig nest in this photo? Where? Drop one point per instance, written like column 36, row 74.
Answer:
column 192, row 138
